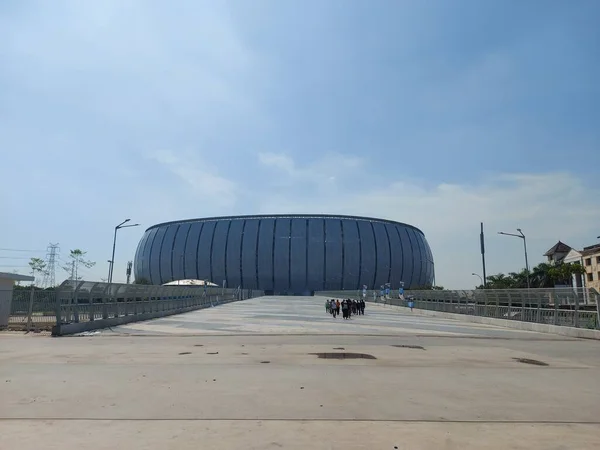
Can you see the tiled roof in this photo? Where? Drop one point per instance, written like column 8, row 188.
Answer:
column 560, row 247
column 591, row 250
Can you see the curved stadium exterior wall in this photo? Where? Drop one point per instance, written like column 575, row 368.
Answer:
column 287, row 254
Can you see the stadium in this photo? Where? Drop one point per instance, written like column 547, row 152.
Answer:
column 286, row 254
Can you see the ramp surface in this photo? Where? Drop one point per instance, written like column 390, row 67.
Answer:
column 248, row 375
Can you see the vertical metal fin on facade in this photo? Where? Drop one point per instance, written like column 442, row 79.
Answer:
column 376, row 254
column 412, row 252
column 146, row 257
column 185, row 249
column 343, row 253
column 401, row 252
column 273, row 255
column 421, row 259
column 359, row 257
column 226, row 247
column 242, row 253
column 290, row 257
column 306, row 249
column 198, row 248
column 160, row 248
column 387, row 235
column 256, row 260
column 150, row 256
column 210, row 253
column 324, row 256
column 173, row 251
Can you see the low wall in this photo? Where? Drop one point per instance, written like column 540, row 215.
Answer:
column 582, row 333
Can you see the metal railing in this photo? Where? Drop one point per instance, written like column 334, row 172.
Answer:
column 34, row 307
column 81, row 301
column 573, row 307
column 86, row 301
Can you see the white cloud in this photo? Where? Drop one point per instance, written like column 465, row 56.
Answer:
column 548, row 207
column 200, row 179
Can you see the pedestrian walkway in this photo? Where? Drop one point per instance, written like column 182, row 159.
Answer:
column 306, row 315
column 274, row 373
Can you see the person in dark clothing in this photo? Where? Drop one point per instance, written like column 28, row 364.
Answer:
column 344, row 309
column 362, row 307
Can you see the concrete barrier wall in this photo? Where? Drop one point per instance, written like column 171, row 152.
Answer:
column 515, row 324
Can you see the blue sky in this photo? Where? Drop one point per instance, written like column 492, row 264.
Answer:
column 439, row 114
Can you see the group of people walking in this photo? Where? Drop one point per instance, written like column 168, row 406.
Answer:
column 347, row 306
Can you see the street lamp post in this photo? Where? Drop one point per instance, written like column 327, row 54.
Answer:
column 112, row 260
column 521, row 236
column 480, row 277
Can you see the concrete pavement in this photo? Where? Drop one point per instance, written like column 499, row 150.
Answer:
column 245, row 375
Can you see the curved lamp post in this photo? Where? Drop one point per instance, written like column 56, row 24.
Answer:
column 520, row 236
column 112, row 260
column 480, row 277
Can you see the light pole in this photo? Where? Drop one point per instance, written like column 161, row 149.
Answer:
column 477, row 275
column 112, row 260
column 521, row 236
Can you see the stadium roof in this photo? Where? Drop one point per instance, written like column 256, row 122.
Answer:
column 285, row 216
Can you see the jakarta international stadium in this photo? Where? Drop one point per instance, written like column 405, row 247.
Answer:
column 287, row 254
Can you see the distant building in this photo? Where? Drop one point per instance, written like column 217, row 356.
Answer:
column 591, row 263
column 294, row 254
column 574, row 256
column 558, row 253
column 589, row 258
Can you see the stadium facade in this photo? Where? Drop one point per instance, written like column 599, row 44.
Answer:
column 287, row 254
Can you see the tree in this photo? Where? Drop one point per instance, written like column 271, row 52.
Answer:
column 77, row 260
column 37, row 266
column 499, row 281
column 543, row 275
column 563, row 273
column 142, row 281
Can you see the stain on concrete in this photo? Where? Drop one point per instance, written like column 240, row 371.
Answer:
column 343, row 355
column 534, row 362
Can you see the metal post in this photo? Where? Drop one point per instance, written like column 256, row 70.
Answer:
column 91, row 313
column 30, row 311
column 112, row 259
column 482, row 243
column 526, row 261
column 555, row 310
column 576, row 312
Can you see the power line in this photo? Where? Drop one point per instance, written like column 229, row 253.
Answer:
column 14, row 257
column 20, row 250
